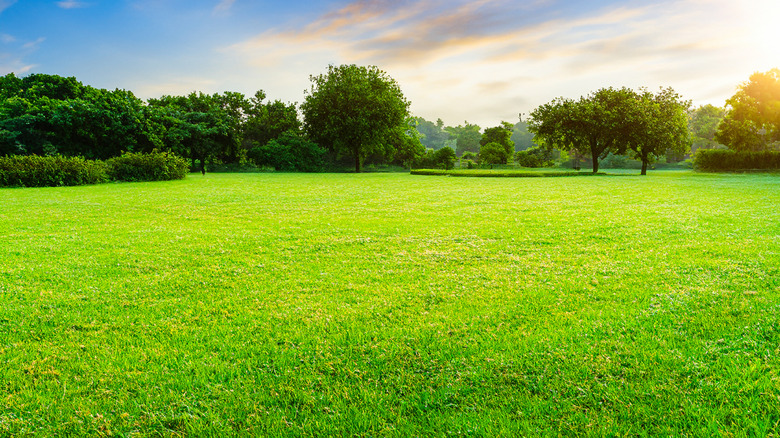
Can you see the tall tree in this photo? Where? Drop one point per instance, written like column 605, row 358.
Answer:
column 500, row 135
column 466, row 137
column 752, row 121
column 656, row 123
column 593, row 125
column 353, row 110
column 703, row 123
column 433, row 134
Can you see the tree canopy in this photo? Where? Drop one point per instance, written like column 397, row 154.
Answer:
column 500, row 135
column 354, row 110
column 752, row 121
column 593, row 125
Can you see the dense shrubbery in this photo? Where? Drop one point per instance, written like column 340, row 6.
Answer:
column 154, row 166
column 52, row 171
column 289, row 153
column 443, row 158
column 725, row 160
column 533, row 157
column 57, row 170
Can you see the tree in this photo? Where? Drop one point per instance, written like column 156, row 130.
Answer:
column 501, row 135
column 657, row 123
column 593, row 125
column 521, row 137
column 703, row 123
column 433, row 135
column 466, row 137
column 493, row 153
column 353, row 110
column 445, row 157
column 290, row 152
column 752, row 121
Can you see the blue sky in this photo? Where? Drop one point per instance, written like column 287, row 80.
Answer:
column 483, row 61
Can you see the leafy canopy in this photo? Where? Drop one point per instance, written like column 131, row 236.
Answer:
column 354, row 110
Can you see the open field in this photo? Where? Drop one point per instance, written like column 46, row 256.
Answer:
column 392, row 305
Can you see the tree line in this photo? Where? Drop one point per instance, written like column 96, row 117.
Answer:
column 353, row 115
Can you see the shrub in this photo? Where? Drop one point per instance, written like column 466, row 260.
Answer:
column 289, row 153
column 532, row 157
column 153, row 166
column 50, row 171
column 727, row 160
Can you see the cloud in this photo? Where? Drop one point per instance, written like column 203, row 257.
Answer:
column 70, row 4
column 223, row 6
column 6, row 39
column 5, row 4
column 33, row 45
column 454, row 59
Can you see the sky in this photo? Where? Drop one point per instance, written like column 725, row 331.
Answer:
column 480, row 61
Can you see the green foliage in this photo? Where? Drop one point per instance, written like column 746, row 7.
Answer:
column 466, row 137
column 468, row 155
column 152, row 166
column 752, row 121
column 442, row 158
column 521, row 137
column 445, row 157
column 289, row 153
column 47, row 114
column 594, row 125
column 657, row 124
column 703, row 123
column 49, row 171
column 354, row 110
column 493, row 153
column 501, row 135
column 533, row 157
column 433, row 135
column 718, row 160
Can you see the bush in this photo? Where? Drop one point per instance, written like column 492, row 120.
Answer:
column 50, row 171
column 532, row 157
column 727, row 160
column 289, row 153
column 153, row 166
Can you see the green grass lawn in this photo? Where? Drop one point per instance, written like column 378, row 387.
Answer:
column 392, row 305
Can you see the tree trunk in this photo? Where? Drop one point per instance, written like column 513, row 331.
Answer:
column 644, row 166
column 595, row 161
column 357, row 163
column 203, row 166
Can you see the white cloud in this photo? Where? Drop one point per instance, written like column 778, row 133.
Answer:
column 471, row 61
column 33, row 45
column 70, row 4
column 6, row 39
column 5, row 4
column 223, row 6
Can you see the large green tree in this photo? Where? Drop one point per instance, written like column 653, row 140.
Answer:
column 752, row 121
column 656, row 124
column 594, row 125
column 354, row 111
column 500, row 135
column 47, row 114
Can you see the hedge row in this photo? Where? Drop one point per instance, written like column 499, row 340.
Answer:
column 57, row 170
column 719, row 160
column 499, row 173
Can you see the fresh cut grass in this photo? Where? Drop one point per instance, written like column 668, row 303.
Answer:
column 392, row 305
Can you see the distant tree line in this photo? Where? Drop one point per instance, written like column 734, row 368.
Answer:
column 355, row 115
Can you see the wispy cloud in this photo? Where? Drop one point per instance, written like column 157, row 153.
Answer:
column 494, row 52
column 5, row 4
column 70, row 4
column 33, row 45
column 223, row 6
column 7, row 39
